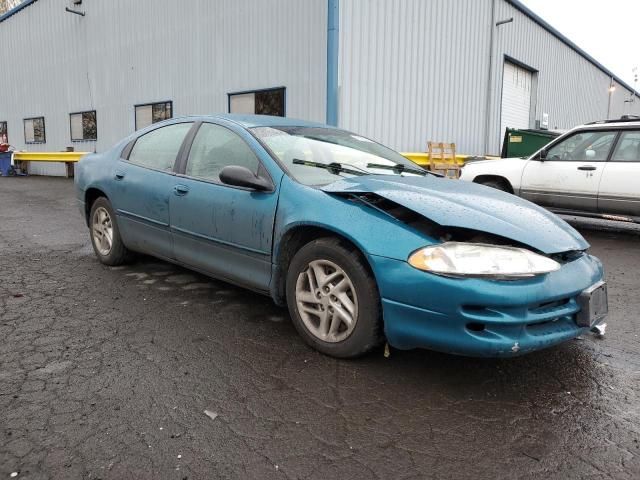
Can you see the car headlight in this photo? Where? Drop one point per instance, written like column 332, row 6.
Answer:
column 478, row 260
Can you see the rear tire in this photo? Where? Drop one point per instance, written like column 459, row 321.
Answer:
column 333, row 299
column 496, row 183
column 105, row 235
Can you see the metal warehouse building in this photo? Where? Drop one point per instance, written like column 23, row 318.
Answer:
column 399, row 71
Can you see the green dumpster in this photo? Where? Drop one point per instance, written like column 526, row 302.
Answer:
column 524, row 142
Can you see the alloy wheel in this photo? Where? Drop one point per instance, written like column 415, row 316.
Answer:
column 327, row 301
column 102, row 231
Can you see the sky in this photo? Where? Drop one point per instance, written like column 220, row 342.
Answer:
column 608, row 30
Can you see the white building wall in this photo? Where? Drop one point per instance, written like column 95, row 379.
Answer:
column 123, row 53
column 570, row 88
column 414, row 70
column 418, row 70
column 409, row 70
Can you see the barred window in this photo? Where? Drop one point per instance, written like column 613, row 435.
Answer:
column 270, row 101
column 4, row 138
column 151, row 113
column 34, row 130
column 84, row 126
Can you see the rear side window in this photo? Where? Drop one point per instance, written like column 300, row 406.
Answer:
column 216, row 147
column 158, row 149
column 628, row 149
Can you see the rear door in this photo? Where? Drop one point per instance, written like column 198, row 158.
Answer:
column 224, row 230
column 144, row 181
column 569, row 176
column 620, row 185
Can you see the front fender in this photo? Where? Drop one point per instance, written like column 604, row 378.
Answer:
column 372, row 231
column 508, row 168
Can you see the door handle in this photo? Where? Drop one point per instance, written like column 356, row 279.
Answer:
column 119, row 175
column 587, row 168
column 180, row 190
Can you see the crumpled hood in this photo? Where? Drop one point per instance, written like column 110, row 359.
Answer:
column 454, row 203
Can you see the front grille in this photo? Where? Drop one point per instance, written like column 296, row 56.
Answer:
column 546, row 312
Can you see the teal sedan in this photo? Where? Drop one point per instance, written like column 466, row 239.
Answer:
column 359, row 243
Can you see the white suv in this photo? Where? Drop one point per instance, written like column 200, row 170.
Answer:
column 592, row 170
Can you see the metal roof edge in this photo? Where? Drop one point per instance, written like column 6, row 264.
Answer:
column 15, row 10
column 544, row 24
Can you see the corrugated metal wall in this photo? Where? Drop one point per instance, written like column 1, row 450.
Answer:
column 414, row 70
column 418, row 70
column 410, row 70
column 569, row 87
column 126, row 52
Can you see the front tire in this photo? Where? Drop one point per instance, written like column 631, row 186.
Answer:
column 333, row 299
column 105, row 236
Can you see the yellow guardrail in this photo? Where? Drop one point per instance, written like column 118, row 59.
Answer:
column 422, row 158
column 47, row 156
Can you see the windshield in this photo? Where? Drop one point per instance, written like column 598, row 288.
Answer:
column 298, row 148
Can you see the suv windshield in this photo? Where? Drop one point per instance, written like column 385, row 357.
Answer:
column 303, row 149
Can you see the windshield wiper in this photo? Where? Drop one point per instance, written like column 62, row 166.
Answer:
column 400, row 168
column 333, row 167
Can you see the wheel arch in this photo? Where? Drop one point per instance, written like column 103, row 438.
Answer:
column 292, row 240
column 499, row 178
column 90, row 196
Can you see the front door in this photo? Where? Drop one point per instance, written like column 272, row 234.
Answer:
column 143, row 185
column 223, row 230
column 569, row 176
column 620, row 185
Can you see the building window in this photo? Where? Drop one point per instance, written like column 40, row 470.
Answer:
column 34, row 130
column 150, row 113
column 4, row 138
column 270, row 101
column 84, row 126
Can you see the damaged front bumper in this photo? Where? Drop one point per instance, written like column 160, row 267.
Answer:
column 484, row 318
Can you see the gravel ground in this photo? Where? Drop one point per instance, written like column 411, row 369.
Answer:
column 107, row 372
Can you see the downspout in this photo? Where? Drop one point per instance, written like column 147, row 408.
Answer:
column 487, row 121
column 332, row 61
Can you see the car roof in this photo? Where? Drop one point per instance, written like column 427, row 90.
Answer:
column 249, row 121
column 624, row 121
column 607, row 125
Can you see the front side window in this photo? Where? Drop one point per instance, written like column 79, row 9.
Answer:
column 326, row 146
column 216, row 147
column 34, row 130
column 84, row 126
column 4, row 137
column 628, row 148
column 260, row 102
column 589, row 146
column 151, row 113
column 159, row 148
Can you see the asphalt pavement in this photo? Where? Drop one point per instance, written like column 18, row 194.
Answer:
column 107, row 373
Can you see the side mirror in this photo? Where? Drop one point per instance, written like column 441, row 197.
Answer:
column 243, row 177
column 590, row 154
column 542, row 156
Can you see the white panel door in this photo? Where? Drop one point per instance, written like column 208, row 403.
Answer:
column 516, row 97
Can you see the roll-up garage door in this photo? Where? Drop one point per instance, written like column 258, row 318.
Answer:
column 516, row 97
